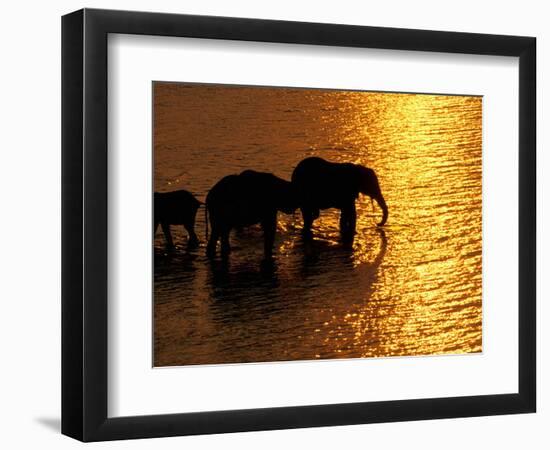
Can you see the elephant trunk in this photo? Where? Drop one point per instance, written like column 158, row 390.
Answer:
column 382, row 203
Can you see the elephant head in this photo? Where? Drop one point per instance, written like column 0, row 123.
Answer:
column 367, row 182
column 286, row 198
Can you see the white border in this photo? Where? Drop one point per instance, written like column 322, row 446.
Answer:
column 135, row 388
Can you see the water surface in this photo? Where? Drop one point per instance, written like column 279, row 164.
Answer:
column 412, row 287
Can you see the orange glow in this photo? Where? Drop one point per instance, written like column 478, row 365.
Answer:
column 412, row 287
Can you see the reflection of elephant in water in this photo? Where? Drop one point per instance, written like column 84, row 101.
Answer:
column 321, row 184
column 249, row 198
column 176, row 208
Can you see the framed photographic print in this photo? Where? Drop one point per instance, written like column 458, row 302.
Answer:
column 273, row 224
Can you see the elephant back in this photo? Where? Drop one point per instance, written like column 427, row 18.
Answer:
column 248, row 197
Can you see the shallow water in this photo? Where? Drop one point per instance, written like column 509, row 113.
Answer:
column 412, row 287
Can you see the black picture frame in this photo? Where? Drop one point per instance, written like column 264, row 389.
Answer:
column 84, row 224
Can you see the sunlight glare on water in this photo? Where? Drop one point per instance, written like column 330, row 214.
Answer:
column 412, row 287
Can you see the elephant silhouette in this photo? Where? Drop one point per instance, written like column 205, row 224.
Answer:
column 176, row 208
column 249, row 198
column 320, row 184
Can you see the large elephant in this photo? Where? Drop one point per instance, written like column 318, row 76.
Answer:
column 321, row 184
column 249, row 198
column 176, row 208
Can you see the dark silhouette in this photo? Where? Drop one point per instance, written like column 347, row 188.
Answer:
column 176, row 208
column 321, row 184
column 249, row 198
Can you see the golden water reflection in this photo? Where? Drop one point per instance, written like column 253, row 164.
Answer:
column 412, row 287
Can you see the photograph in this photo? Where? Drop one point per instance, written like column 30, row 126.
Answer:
column 266, row 225
column 300, row 224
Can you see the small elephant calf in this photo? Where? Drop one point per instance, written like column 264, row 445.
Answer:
column 176, row 208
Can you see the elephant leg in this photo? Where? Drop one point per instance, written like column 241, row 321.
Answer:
column 193, row 241
column 352, row 218
column 167, row 234
column 343, row 221
column 269, row 227
column 212, row 242
column 226, row 248
column 353, row 221
column 308, row 217
column 348, row 219
column 189, row 225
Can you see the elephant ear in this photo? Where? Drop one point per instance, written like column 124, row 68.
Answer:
column 360, row 174
column 368, row 182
